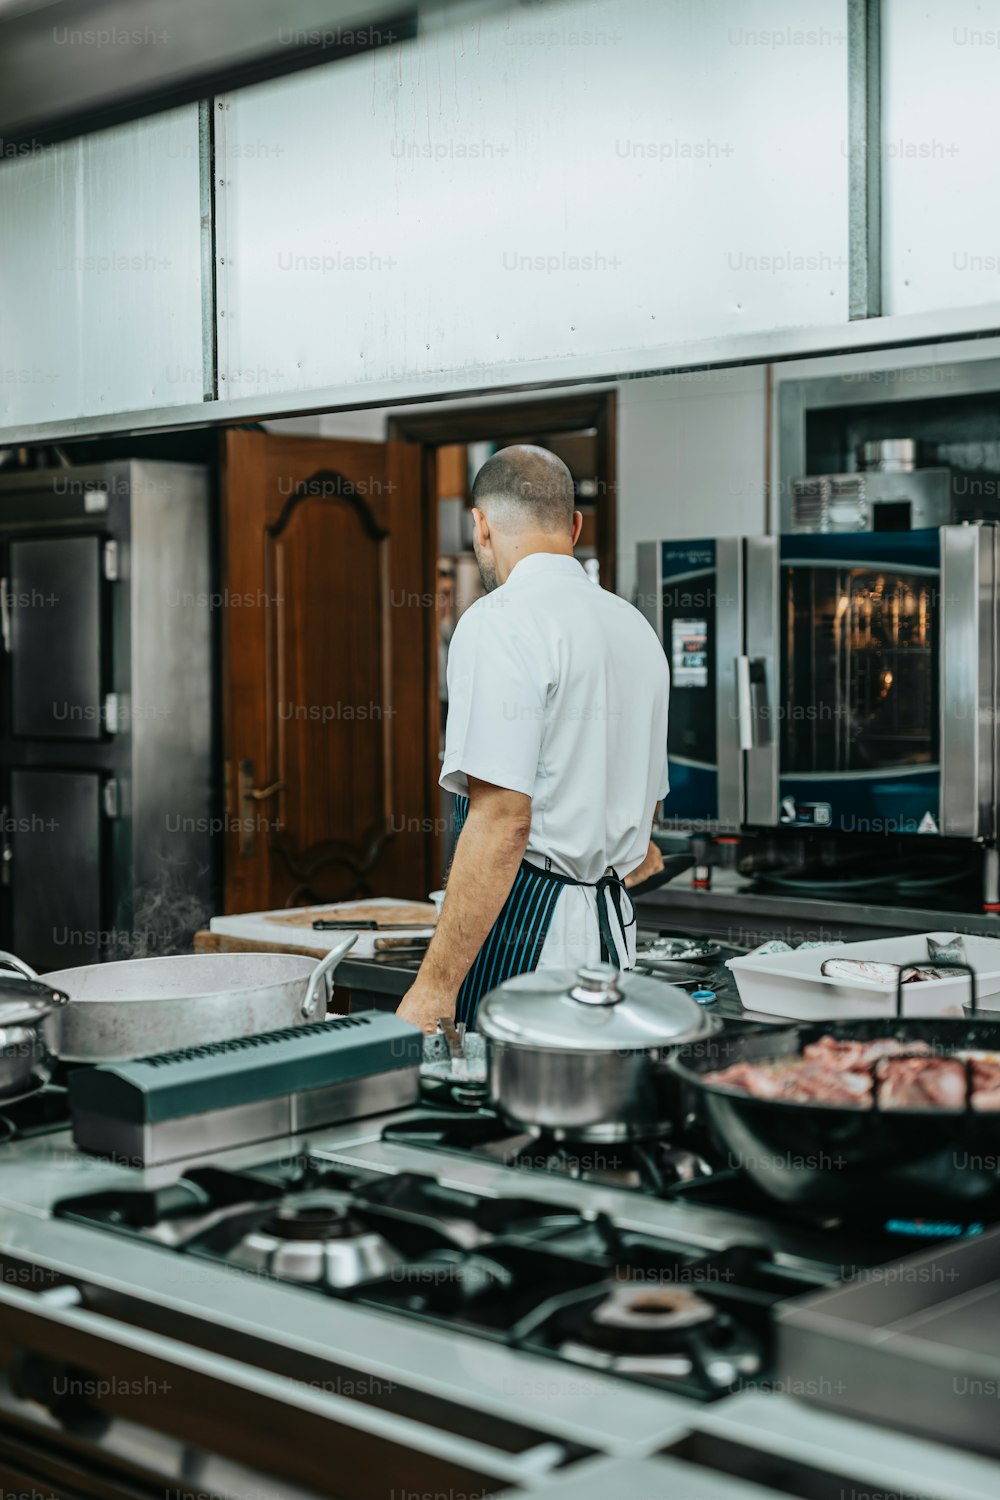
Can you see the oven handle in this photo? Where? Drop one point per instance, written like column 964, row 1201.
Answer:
column 752, row 702
column 744, row 702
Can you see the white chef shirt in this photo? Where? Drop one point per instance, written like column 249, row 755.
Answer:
column 558, row 689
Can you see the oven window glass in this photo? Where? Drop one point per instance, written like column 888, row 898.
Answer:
column 859, row 669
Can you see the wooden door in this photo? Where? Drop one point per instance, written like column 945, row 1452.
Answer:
column 324, row 661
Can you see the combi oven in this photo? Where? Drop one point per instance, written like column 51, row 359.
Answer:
column 843, row 681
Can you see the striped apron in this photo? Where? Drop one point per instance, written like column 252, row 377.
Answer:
column 515, row 941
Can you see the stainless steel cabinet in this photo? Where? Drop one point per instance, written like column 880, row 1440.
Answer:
column 106, row 711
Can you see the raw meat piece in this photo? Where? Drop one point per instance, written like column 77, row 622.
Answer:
column 910, row 1076
column 858, row 1054
column 915, row 1082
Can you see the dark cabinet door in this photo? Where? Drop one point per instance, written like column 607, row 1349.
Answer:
column 54, row 602
column 56, row 867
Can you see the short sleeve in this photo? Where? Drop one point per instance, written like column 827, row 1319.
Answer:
column 497, row 694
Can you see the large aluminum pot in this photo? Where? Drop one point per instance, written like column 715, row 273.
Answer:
column 577, row 1054
column 147, row 1005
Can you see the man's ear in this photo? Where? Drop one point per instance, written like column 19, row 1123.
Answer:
column 577, row 526
column 482, row 525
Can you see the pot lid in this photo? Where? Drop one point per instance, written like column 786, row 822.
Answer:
column 591, row 1009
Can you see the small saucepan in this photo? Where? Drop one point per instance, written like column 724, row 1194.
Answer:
column 27, row 1029
column 578, row 1054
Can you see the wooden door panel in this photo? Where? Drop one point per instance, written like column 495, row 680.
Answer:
column 326, row 677
column 331, row 707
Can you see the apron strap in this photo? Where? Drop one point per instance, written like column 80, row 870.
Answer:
column 613, row 885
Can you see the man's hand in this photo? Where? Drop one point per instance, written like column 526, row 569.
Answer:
column 651, row 865
column 423, row 1007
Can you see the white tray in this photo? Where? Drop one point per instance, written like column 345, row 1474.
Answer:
column 790, row 984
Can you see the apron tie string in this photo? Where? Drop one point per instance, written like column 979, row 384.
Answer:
column 612, row 884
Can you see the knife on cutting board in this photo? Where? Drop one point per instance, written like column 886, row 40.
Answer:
column 338, row 924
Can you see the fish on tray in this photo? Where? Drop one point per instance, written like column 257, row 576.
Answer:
column 878, row 973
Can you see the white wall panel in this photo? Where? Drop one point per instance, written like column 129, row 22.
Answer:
column 100, row 273
column 581, row 180
column 940, row 159
column 691, row 459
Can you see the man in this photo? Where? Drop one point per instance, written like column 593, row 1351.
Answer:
column 556, row 745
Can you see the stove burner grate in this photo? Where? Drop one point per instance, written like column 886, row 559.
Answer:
column 318, row 1240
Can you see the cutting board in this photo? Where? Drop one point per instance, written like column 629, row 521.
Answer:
column 358, row 911
column 267, row 926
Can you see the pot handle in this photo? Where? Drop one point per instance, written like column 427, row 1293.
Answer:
column 11, row 961
column 31, row 989
column 27, row 985
column 323, row 969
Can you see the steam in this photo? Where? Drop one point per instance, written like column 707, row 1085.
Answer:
column 168, row 911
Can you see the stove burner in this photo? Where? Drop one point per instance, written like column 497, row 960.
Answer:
column 314, row 1239
column 324, row 1216
column 655, row 1310
column 652, row 1164
column 670, row 1333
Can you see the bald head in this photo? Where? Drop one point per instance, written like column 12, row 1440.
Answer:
column 525, row 489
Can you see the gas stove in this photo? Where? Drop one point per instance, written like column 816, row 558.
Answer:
column 432, row 1313
column 565, row 1283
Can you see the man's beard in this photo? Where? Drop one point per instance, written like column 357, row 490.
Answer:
column 487, row 568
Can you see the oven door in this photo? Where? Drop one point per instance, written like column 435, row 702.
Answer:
column 692, row 594
column 848, row 632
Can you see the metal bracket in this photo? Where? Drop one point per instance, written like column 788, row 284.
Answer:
column 111, row 571
column 864, row 86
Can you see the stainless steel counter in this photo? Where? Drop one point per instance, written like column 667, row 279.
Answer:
column 734, row 912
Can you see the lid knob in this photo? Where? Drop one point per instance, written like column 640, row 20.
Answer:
column 597, row 984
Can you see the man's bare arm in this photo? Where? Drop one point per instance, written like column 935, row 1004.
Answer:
column 487, row 856
column 652, row 863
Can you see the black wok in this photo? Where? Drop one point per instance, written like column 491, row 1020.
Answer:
column 863, row 1163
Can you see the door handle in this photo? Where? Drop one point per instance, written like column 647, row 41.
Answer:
column 752, row 707
column 261, row 794
column 5, row 614
column 248, row 798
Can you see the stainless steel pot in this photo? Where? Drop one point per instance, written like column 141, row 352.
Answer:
column 147, row 1005
column 577, row 1054
column 27, row 1009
